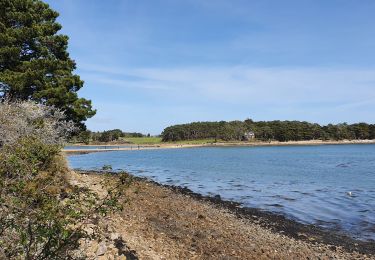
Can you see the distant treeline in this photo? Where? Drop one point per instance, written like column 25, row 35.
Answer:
column 105, row 136
column 267, row 130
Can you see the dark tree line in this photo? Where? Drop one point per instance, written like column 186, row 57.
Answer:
column 105, row 136
column 268, row 130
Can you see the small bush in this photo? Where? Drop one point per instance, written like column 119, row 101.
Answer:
column 27, row 119
column 41, row 214
column 33, row 222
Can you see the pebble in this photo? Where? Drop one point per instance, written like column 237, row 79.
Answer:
column 114, row 236
column 101, row 249
column 89, row 231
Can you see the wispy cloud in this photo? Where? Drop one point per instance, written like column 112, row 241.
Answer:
column 126, row 83
column 240, row 84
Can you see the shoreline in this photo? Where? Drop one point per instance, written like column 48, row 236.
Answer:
column 282, row 224
column 276, row 223
column 125, row 147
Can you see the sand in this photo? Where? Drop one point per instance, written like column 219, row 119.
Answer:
column 118, row 147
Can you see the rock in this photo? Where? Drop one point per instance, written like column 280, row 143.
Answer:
column 89, row 231
column 103, row 225
column 201, row 216
column 74, row 182
column 217, row 197
column 109, row 228
column 114, row 236
column 110, row 257
column 101, row 249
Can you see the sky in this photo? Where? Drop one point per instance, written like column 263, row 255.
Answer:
column 148, row 64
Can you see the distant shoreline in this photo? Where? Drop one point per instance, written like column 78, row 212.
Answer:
column 130, row 147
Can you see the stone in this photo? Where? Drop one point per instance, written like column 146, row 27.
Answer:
column 89, row 231
column 111, row 257
column 114, row 236
column 102, row 248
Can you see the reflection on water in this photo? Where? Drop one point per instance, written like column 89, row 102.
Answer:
column 331, row 186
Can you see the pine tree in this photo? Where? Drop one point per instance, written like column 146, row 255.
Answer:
column 34, row 62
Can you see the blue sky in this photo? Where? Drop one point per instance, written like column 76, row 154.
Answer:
column 151, row 64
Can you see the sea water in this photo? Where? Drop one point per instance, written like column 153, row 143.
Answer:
column 332, row 186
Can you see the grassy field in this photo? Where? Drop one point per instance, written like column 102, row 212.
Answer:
column 200, row 141
column 143, row 140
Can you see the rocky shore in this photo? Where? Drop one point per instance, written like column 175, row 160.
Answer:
column 167, row 222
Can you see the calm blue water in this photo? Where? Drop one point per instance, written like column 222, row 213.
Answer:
column 308, row 183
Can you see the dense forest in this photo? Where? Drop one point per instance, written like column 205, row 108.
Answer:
column 268, row 130
column 105, row 136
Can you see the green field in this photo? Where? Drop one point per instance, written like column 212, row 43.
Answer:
column 142, row 140
column 199, row 141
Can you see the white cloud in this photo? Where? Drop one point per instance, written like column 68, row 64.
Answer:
column 243, row 85
column 149, row 99
column 125, row 83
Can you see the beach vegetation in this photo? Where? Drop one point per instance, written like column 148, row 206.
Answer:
column 42, row 212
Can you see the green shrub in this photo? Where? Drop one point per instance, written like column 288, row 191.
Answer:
column 33, row 222
column 42, row 215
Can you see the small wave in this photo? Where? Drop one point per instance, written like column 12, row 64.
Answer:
column 370, row 228
column 345, row 165
column 283, row 197
column 276, row 205
column 322, row 190
column 239, row 186
column 333, row 224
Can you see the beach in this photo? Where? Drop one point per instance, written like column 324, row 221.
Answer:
column 168, row 222
column 129, row 147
